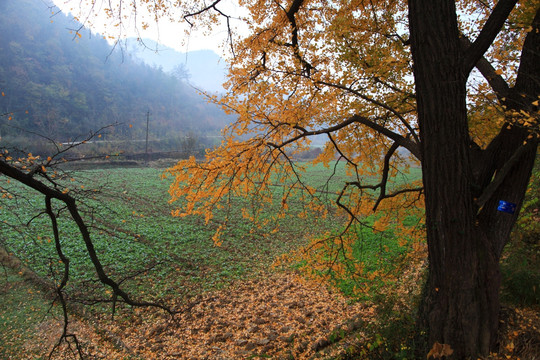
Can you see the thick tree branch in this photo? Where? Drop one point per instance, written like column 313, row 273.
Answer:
column 399, row 139
column 488, row 33
column 518, row 98
column 295, row 7
column 496, row 81
column 528, row 76
column 377, row 103
column 503, row 172
column 384, row 179
column 386, row 170
column 402, row 141
column 291, row 17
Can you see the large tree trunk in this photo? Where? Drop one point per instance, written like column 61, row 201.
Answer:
column 461, row 304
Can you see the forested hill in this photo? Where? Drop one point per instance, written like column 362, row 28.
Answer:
column 61, row 85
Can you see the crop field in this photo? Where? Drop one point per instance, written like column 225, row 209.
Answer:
column 153, row 255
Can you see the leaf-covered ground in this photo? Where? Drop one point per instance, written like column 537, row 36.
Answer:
column 281, row 316
column 278, row 316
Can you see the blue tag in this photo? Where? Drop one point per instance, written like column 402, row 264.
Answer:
column 507, row 207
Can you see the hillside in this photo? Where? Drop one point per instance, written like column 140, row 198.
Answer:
column 62, row 84
column 203, row 69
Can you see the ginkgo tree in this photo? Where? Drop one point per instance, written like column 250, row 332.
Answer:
column 451, row 85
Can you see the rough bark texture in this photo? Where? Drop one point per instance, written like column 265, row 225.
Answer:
column 456, row 296
column 465, row 241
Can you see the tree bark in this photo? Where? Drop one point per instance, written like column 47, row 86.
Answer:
column 514, row 138
column 465, row 242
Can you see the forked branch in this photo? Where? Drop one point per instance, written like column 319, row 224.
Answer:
column 503, row 172
column 488, row 33
column 60, row 288
column 496, row 81
column 397, row 138
column 53, row 192
column 383, row 184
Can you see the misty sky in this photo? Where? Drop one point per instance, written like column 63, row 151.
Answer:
column 167, row 33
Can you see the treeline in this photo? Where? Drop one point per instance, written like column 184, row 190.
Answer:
column 62, row 84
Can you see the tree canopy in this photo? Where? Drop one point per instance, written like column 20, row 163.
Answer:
column 346, row 72
column 453, row 84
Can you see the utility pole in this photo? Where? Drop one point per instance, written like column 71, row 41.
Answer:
column 147, row 122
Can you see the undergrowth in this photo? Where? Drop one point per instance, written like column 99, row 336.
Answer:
column 521, row 263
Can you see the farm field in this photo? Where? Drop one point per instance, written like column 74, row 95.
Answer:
column 231, row 302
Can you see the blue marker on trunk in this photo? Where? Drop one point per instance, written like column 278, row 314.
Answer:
column 507, row 207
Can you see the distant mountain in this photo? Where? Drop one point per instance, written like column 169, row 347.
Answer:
column 205, row 68
column 61, row 84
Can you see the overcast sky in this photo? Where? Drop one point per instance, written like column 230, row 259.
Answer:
column 167, row 33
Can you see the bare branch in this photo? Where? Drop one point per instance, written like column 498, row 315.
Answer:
column 386, row 170
column 378, row 103
column 203, row 10
column 382, row 185
column 213, row 7
column 399, row 139
column 71, row 204
column 345, row 207
column 60, row 288
column 336, row 146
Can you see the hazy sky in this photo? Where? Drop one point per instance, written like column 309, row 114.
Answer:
column 167, row 33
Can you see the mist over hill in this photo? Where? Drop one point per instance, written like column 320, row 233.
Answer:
column 61, row 84
column 204, row 69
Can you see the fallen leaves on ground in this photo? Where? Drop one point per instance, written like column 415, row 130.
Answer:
column 440, row 350
column 278, row 316
column 281, row 316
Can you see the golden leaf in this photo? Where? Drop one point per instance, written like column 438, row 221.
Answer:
column 439, row 350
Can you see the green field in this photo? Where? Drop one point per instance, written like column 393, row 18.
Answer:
column 153, row 255
column 171, row 260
